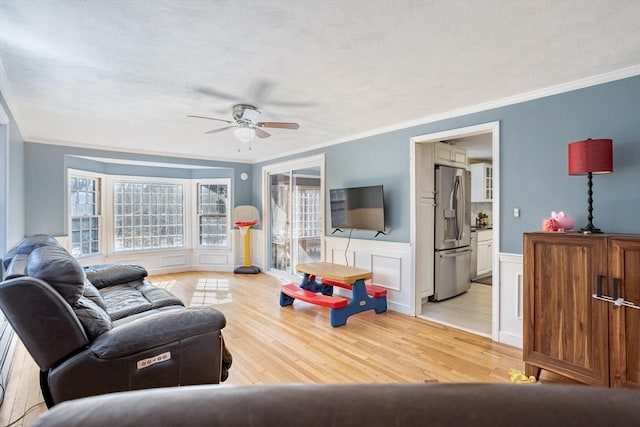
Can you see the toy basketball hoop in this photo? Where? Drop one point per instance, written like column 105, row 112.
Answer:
column 245, row 217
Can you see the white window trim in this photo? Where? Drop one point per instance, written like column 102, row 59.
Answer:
column 109, row 212
column 101, row 203
column 195, row 234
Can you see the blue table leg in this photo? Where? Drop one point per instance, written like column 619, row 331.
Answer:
column 360, row 302
column 309, row 283
column 380, row 304
column 285, row 300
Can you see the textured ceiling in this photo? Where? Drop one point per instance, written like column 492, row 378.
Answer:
column 124, row 74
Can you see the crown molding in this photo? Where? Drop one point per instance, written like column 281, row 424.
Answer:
column 503, row 102
column 111, row 148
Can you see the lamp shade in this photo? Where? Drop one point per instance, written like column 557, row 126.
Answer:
column 591, row 155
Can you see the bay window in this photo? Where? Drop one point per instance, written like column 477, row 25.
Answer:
column 146, row 213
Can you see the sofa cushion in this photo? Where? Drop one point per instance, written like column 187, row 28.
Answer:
column 124, row 300
column 93, row 294
column 58, row 268
column 112, row 274
column 141, row 315
column 158, row 297
column 28, row 244
column 127, row 299
column 94, row 319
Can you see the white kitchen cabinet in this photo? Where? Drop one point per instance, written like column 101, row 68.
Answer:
column 485, row 252
column 449, row 155
column 481, row 182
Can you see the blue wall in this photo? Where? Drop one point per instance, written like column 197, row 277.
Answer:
column 46, row 166
column 533, row 162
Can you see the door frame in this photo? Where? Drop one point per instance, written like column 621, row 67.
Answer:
column 302, row 163
column 494, row 129
column 4, row 180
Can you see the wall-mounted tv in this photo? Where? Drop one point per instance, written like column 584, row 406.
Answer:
column 357, row 207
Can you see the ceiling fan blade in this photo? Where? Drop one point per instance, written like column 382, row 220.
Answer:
column 292, row 104
column 219, row 130
column 260, row 90
column 280, row 125
column 260, row 133
column 215, row 93
column 212, row 118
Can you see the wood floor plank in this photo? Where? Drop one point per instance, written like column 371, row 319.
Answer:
column 296, row 344
column 12, row 389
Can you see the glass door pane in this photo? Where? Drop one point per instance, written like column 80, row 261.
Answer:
column 279, row 221
column 307, row 216
column 295, row 221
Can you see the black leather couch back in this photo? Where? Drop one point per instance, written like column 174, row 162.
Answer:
column 355, row 405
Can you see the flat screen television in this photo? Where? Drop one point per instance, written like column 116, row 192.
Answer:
column 357, row 207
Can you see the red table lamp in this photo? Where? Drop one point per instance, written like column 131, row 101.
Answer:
column 588, row 157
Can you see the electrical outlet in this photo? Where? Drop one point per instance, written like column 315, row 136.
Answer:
column 516, row 212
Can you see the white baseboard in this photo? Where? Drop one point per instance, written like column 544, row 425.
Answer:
column 511, row 339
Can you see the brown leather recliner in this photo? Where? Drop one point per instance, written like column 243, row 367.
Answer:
column 104, row 329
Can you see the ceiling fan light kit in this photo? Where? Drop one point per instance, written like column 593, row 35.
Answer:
column 244, row 126
column 244, row 133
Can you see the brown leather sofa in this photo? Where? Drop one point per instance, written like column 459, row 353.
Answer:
column 105, row 328
column 311, row 405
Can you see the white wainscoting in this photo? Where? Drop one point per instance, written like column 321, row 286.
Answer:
column 511, row 294
column 170, row 261
column 178, row 260
column 390, row 263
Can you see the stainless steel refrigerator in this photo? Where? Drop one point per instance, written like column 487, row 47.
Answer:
column 452, row 232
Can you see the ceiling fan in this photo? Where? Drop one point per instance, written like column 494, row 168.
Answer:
column 244, row 124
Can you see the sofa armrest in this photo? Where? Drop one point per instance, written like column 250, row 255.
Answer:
column 104, row 275
column 156, row 330
column 42, row 319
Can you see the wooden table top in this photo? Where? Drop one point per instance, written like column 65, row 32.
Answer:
column 338, row 272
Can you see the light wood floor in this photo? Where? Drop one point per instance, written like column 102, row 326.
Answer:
column 296, row 344
column 470, row 311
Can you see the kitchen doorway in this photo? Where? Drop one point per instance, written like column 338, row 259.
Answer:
column 476, row 310
column 293, row 203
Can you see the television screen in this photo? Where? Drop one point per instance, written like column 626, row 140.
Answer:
column 357, row 207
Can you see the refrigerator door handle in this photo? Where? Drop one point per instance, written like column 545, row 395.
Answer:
column 463, row 202
column 456, row 203
column 454, row 253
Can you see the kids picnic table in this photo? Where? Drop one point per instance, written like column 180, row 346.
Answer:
column 364, row 296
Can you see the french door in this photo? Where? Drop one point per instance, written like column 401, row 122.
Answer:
column 295, row 215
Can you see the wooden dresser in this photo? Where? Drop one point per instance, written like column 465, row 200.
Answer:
column 581, row 307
